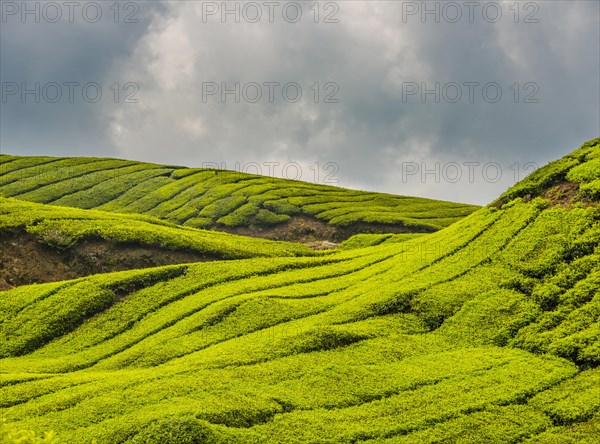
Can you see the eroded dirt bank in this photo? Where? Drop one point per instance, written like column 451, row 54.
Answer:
column 26, row 260
column 307, row 230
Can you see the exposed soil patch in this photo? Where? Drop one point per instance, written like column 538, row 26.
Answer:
column 25, row 260
column 560, row 193
column 564, row 193
column 314, row 232
column 322, row 245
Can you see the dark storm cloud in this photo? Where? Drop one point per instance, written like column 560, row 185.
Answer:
column 374, row 131
column 34, row 50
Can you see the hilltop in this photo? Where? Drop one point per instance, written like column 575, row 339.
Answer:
column 574, row 179
column 487, row 330
column 240, row 203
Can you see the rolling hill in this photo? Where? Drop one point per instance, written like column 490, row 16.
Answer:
column 44, row 243
column 485, row 331
column 217, row 199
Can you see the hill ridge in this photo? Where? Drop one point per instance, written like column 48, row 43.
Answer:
column 241, row 203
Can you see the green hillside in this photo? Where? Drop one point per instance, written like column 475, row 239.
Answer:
column 63, row 227
column 487, row 331
column 208, row 198
column 45, row 243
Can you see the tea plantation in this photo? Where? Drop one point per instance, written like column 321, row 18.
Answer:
column 64, row 227
column 486, row 331
column 208, row 198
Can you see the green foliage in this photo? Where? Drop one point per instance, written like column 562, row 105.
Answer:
column 240, row 217
column 184, row 430
column 494, row 425
column 13, row 435
column 540, row 179
column 485, row 331
column 108, row 190
column 222, row 207
column 135, row 194
column 281, row 207
column 574, row 400
column 364, row 240
column 266, row 217
column 205, row 198
column 581, row 433
column 580, row 167
column 62, row 228
column 64, row 310
column 591, row 190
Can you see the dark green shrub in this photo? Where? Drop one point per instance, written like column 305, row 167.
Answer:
column 266, row 217
column 183, row 430
column 281, row 207
column 324, row 338
column 57, row 238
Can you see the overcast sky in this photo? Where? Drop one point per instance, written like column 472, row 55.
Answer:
column 450, row 100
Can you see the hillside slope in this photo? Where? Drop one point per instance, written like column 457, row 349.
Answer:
column 485, row 331
column 46, row 243
column 225, row 200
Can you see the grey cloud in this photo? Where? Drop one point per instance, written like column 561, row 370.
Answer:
column 62, row 52
column 369, row 133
